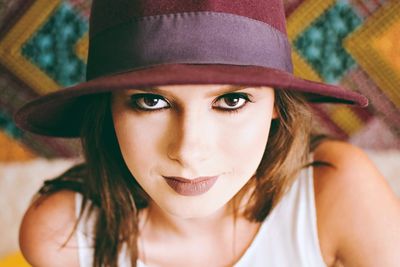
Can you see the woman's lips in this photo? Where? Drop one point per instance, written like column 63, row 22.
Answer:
column 191, row 187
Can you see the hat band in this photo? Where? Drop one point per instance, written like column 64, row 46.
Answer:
column 191, row 38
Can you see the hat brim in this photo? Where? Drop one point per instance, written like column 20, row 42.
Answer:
column 59, row 114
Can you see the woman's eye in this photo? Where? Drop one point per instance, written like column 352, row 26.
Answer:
column 231, row 101
column 149, row 101
column 152, row 102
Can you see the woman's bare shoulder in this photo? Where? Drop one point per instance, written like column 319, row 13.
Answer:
column 45, row 229
column 358, row 214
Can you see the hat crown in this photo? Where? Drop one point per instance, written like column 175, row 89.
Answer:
column 108, row 13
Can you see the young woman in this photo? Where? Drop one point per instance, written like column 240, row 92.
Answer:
column 198, row 150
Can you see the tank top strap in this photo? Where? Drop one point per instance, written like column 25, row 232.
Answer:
column 85, row 237
column 288, row 236
column 84, row 234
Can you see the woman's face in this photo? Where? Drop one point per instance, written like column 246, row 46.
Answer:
column 193, row 147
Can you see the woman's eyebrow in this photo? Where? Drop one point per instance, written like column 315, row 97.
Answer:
column 224, row 90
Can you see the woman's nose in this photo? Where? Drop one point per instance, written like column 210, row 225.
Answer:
column 190, row 138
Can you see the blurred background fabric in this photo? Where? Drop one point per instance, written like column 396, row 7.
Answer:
column 43, row 47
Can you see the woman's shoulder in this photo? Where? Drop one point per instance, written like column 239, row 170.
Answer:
column 358, row 215
column 45, row 232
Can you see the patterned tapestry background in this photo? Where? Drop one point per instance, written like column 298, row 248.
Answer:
column 355, row 43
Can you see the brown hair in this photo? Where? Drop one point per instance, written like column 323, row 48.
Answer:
column 105, row 180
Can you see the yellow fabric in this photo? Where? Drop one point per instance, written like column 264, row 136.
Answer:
column 13, row 150
column 14, row 260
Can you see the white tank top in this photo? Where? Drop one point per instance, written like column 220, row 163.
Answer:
column 288, row 236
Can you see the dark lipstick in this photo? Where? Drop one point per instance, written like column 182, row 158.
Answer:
column 191, row 187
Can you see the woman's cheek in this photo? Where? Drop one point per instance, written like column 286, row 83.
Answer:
column 248, row 136
column 136, row 149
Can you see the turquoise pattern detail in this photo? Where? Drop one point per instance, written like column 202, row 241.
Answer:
column 321, row 43
column 52, row 48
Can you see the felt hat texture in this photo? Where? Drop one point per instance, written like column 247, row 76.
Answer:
column 149, row 43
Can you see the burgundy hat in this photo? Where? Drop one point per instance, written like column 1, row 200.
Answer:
column 147, row 43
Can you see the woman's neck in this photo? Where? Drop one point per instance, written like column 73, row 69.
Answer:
column 203, row 239
column 218, row 224
column 163, row 223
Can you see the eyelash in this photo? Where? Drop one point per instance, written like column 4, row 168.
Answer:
column 134, row 98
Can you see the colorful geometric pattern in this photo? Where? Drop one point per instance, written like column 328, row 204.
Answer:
column 377, row 49
column 319, row 31
column 52, row 51
column 40, row 47
column 354, row 43
column 320, row 42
